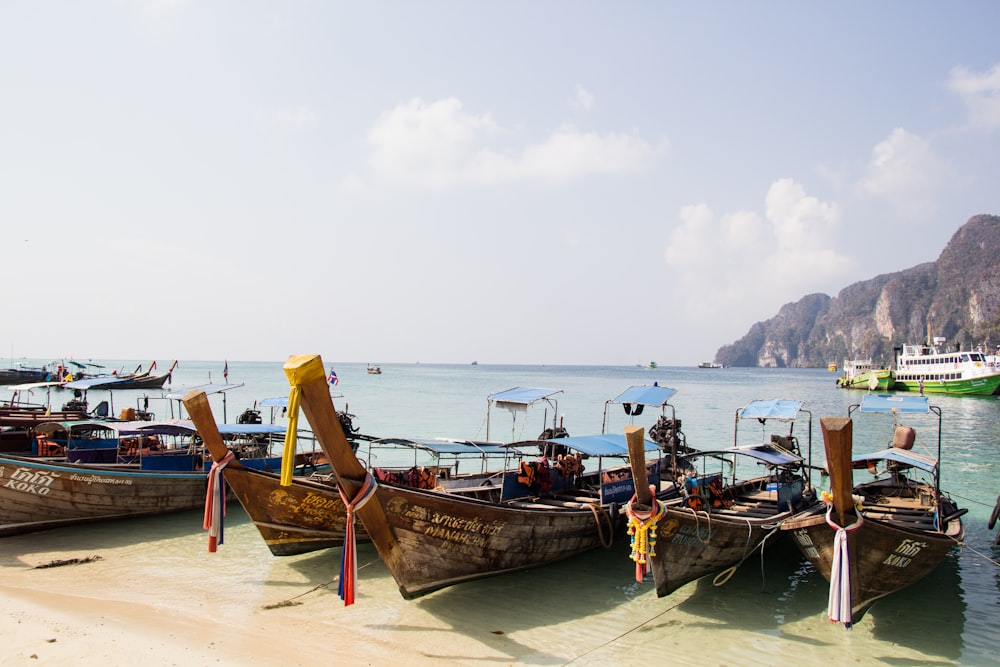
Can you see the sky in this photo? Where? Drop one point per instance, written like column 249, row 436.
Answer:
column 519, row 182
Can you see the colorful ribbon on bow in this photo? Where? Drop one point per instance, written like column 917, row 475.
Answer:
column 349, row 555
column 642, row 532
column 839, row 606
column 288, row 454
column 215, row 502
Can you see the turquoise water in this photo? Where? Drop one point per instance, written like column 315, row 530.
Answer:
column 770, row 610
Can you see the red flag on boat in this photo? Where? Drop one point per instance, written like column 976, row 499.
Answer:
column 225, row 370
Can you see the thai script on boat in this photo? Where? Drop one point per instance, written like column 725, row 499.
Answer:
column 904, row 553
column 26, row 480
column 448, row 527
column 94, row 479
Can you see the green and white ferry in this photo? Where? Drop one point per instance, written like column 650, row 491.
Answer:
column 930, row 370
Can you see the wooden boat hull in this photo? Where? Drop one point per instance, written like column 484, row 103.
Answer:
column 690, row 546
column 139, row 382
column 435, row 539
column 884, row 557
column 884, row 380
column 37, row 495
column 976, row 386
column 306, row 516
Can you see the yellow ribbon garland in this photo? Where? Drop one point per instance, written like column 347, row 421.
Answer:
column 288, row 456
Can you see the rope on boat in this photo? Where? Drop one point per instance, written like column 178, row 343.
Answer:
column 697, row 527
column 349, row 553
column 215, row 502
column 722, row 578
column 598, row 512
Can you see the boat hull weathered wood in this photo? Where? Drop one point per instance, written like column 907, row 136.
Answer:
column 884, row 558
column 691, row 545
column 896, row 529
column 300, row 518
column 430, row 540
column 37, row 495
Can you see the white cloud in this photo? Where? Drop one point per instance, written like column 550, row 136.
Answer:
column 906, row 172
column 439, row 146
column 980, row 92
column 583, row 100
column 736, row 268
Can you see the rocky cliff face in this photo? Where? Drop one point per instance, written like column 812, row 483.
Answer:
column 958, row 296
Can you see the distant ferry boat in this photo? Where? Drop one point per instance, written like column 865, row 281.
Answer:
column 832, row 367
column 928, row 369
column 651, row 364
column 862, row 374
column 709, row 364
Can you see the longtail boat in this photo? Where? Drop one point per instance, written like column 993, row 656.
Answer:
column 723, row 515
column 878, row 537
column 429, row 538
column 89, row 470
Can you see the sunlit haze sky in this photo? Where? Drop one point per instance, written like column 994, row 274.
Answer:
column 509, row 182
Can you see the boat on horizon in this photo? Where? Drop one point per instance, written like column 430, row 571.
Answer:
column 709, row 364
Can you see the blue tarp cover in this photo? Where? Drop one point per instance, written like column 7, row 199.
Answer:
column 521, row 396
column 596, row 445
column 88, row 383
column 778, row 408
column 179, row 393
column 442, row 446
column 894, row 403
column 903, row 456
column 645, row 395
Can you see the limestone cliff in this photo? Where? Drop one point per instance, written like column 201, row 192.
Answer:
column 958, row 296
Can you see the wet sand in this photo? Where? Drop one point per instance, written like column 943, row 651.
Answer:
column 156, row 597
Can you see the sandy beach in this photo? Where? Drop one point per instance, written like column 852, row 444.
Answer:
column 147, row 591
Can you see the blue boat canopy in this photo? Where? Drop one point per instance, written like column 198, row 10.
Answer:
column 520, row 398
column 778, row 408
column 654, row 396
column 89, row 383
column 210, row 388
column 766, row 452
column 895, row 454
column 443, row 446
column 595, row 445
column 895, row 403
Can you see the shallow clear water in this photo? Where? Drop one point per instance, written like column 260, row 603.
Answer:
column 588, row 610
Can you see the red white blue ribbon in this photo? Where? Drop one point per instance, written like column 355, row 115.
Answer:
column 349, row 554
column 215, row 502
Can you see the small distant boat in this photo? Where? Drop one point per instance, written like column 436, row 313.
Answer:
column 709, row 364
column 651, row 365
column 140, row 379
column 374, row 370
column 878, row 537
column 832, row 367
column 929, row 369
column 862, row 374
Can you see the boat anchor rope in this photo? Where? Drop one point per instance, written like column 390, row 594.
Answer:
column 215, row 502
